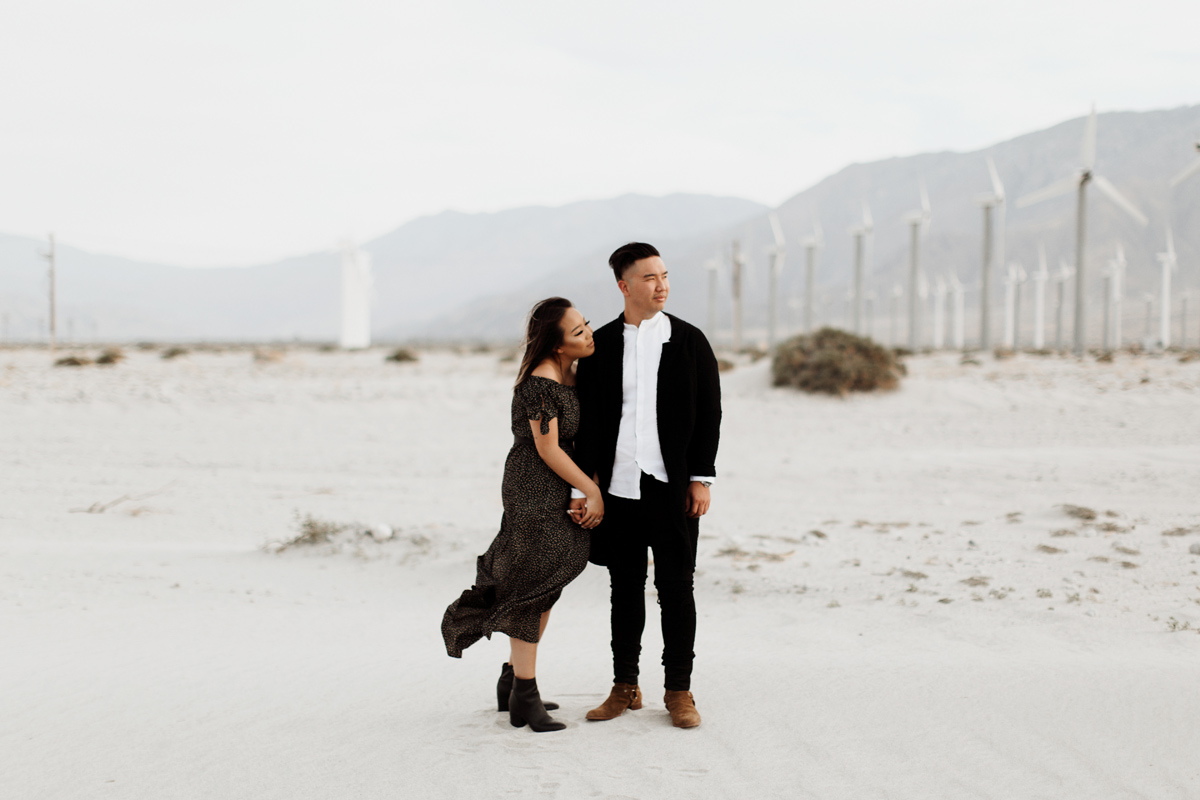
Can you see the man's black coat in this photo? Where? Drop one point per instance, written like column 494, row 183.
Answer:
column 689, row 417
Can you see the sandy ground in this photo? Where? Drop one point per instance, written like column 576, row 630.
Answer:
column 895, row 601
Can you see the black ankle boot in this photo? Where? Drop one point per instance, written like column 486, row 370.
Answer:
column 525, row 706
column 504, row 689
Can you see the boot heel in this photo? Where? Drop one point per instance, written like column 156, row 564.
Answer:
column 515, row 720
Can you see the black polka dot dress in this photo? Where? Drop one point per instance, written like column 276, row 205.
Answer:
column 538, row 550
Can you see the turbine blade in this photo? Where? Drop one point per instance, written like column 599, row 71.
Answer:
column 1170, row 244
column 1105, row 186
column 1191, row 170
column 924, row 199
column 1089, row 141
column 1056, row 189
column 868, row 223
column 997, row 186
column 820, row 234
column 776, row 229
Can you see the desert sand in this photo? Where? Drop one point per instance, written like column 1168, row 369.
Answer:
column 980, row 585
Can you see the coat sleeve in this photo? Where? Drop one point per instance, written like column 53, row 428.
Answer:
column 706, row 431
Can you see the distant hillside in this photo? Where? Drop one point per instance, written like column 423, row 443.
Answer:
column 1138, row 152
column 423, row 268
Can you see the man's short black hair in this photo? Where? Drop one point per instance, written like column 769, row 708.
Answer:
column 627, row 254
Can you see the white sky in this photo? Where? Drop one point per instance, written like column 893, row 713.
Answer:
column 233, row 132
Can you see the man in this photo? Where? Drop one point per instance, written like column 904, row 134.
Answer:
column 650, row 402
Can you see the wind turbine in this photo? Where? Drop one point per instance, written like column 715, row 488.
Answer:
column 918, row 222
column 739, row 262
column 1169, row 265
column 860, row 234
column 897, row 293
column 1065, row 272
column 957, row 290
column 1078, row 183
column 811, row 245
column 356, row 298
column 1116, row 271
column 1039, row 301
column 993, row 246
column 776, row 252
column 1013, row 280
column 1190, row 170
column 713, row 265
column 939, row 312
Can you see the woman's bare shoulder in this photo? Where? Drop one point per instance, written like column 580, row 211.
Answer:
column 546, row 370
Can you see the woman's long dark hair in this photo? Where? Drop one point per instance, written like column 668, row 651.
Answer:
column 543, row 333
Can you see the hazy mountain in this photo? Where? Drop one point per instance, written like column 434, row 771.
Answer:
column 1138, row 152
column 425, row 267
column 473, row 276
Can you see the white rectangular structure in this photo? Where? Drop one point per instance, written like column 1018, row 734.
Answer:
column 356, row 298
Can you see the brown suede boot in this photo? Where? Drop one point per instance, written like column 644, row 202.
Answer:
column 683, row 709
column 622, row 696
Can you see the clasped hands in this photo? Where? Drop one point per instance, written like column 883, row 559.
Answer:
column 699, row 498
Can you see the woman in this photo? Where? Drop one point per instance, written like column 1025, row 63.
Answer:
column 541, row 547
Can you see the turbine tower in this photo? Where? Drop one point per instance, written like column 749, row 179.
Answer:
column 1117, row 269
column 712, row 265
column 918, row 222
column 777, row 252
column 1039, row 301
column 356, row 298
column 993, row 247
column 738, row 263
column 1078, row 183
column 860, row 234
column 957, row 291
column 1012, row 305
column 1169, row 265
column 811, row 245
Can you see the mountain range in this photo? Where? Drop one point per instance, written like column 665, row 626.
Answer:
column 462, row 277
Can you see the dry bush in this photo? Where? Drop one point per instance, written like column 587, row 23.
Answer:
column 173, row 352
column 312, row 531
column 1079, row 512
column 1001, row 353
column 73, row 361
column 831, row 361
column 724, row 365
column 401, row 355
column 112, row 355
column 1105, row 357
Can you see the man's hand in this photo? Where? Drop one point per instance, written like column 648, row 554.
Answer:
column 698, row 499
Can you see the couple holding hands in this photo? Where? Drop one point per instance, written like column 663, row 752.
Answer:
column 614, row 442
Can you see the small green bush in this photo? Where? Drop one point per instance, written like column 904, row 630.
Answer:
column 73, row 361
column 831, row 361
column 173, row 352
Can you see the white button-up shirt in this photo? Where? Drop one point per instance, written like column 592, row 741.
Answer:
column 638, row 446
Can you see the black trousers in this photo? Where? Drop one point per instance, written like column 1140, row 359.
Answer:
column 635, row 527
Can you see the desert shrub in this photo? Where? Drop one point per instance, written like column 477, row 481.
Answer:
column 312, row 531
column 73, row 361
column 112, row 355
column 1105, row 357
column 724, row 365
column 1001, row 353
column 174, row 352
column 401, row 355
column 831, row 361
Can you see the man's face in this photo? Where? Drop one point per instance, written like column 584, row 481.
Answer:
column 645, row 287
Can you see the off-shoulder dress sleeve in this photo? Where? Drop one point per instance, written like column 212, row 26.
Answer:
column 537, row 399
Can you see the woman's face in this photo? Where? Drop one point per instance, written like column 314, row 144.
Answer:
column 577, row 336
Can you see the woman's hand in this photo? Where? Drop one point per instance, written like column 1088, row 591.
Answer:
column 593, row 512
